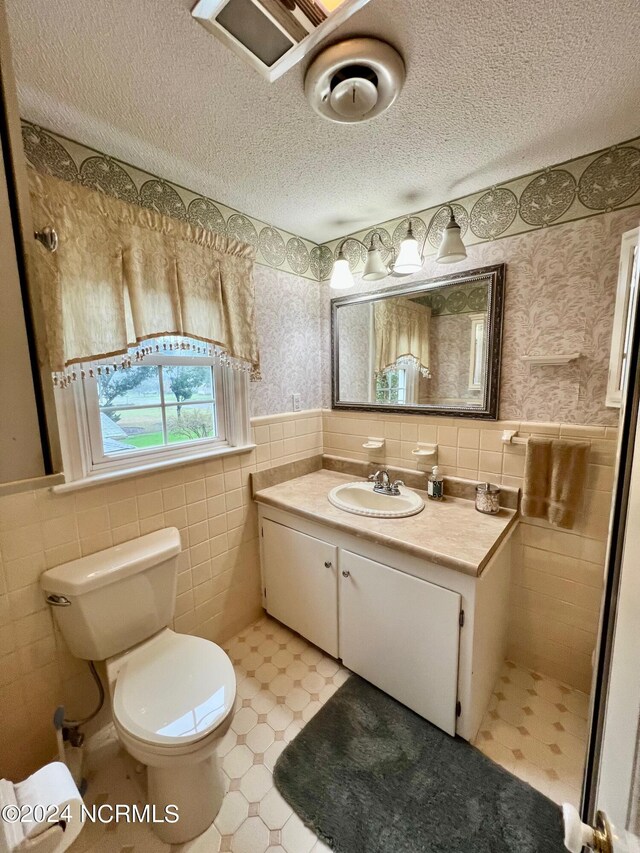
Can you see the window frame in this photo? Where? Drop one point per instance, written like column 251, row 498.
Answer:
column 626, row 296
column 78, row 414
column 102, row 460
column 402, row 386
column 477, row 321
column 411, row 378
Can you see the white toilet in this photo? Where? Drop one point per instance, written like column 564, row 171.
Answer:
column 172, row 695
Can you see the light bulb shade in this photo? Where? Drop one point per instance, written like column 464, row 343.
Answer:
column 409, row 259
column 452, row 249
column 374, row 268
column 341, row 277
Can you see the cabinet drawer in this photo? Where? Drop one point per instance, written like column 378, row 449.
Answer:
column 301, row 581
column 402, row 634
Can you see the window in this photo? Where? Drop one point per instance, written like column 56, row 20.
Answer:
column 476, row 352
column 398, row 386
column 391, row 387
column 176, row 404
column 626, row 297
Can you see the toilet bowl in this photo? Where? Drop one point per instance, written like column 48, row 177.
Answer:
column 172, row 700
column 172, row 695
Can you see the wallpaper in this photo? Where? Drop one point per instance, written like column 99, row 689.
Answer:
column 463, row 299
column 577, row 189
column 356, row 357
column 63, row 158
column 287, row 290
column 560, row 288
column 559, row 298
column 288, row 316
column 450, row 344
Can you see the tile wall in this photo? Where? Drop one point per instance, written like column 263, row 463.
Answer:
column 557, row 575
column 218, row 586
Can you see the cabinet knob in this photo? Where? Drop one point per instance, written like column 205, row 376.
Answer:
column 327, row 564
column 346, row 574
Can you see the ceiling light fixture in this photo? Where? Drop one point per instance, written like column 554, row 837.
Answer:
column 354, row 80
column 452, row 249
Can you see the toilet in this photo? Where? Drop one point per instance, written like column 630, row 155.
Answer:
column 172, row 695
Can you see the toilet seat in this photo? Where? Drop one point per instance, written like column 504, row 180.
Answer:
column 173, row 692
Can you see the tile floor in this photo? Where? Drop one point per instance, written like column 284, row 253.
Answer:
column 535, row 727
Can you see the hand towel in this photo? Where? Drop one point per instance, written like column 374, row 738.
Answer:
column 554, row 478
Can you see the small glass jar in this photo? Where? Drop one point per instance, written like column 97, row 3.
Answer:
column 488, row 498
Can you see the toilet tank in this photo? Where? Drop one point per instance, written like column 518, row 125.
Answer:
column 111, row 600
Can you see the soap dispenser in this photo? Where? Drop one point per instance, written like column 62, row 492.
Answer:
column 435, row 485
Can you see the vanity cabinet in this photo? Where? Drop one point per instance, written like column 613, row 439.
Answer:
column 402, row 634
column 300, row 583
column 432, row 637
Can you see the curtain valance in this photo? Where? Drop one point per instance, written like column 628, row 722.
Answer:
column 401, row 334
column 123, row 274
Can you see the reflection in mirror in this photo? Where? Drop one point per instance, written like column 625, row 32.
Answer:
column 432, row 346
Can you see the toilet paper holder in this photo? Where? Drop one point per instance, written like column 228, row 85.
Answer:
column 52, row 785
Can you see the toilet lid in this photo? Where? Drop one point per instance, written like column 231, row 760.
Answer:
column 175, row 689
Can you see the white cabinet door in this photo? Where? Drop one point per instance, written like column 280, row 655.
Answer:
column 300, row 577
column 401, row 634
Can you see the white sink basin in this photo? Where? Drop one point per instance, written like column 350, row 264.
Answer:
column 360, row 499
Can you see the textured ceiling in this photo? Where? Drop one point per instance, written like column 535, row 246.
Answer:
column 494, row 89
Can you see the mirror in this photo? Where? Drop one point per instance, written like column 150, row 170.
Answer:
column 430, row 347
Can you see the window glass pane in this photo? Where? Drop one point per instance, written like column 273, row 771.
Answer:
column 391, row 386
column 190, row 422
column 135, row 386
column 130, row 429
column 187, row 384
column 478, row 364
column 151, row 407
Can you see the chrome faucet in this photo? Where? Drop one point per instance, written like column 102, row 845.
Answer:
column 382, row 483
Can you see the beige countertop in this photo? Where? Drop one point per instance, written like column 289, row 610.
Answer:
column 449, row 533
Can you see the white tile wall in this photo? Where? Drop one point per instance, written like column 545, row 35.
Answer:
column 218, row 581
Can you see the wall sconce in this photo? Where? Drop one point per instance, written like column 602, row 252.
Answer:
column 341, row 277
column 374, row 268
column 409, row 260
column 451, row 249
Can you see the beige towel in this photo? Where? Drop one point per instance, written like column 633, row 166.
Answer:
column 554, row 478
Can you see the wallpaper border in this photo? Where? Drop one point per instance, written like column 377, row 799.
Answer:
column 595, row 183
column 72, row 161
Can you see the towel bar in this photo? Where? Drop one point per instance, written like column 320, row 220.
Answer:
column 510, row 436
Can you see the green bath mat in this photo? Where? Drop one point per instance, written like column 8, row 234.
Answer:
column 367, row 775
